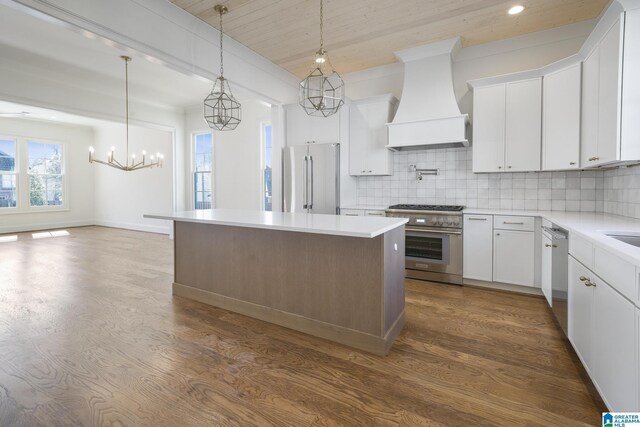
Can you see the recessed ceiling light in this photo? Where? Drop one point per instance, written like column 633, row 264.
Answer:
column 516, row 9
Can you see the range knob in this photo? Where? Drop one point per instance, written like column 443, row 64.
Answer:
column 434, row 221
column 456, row 222
column 441, row 221
column 449, row 221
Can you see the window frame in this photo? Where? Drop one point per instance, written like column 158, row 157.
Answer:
column 23, row 205
column 263, row 161
column 193, row 171
column 62, row 174
column 15, row 174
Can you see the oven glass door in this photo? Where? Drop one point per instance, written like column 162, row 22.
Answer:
column 428, row 247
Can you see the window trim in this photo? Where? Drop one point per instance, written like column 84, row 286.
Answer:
column 192, row 168
column 263, row 160
column 23, row 205
column 15, row 173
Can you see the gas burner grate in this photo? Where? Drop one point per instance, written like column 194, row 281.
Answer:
column 441, row 208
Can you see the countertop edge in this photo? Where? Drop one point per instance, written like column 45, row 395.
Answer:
column 376, row 233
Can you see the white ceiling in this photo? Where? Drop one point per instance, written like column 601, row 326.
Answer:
column 86, row 61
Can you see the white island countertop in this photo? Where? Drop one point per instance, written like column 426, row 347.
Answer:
column 338, row 225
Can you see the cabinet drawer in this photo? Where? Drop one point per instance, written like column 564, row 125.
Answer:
column 620, row 274
column 352, row 212
column 518, row 223
column 374, row 213
column 581, row 249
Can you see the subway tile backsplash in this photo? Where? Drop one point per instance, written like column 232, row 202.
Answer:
column 622, row 191
column 458, row 185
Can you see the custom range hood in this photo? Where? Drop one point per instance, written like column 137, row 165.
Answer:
column 428, row 115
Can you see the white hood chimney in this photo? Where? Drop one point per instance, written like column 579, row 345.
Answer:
column 428, row 115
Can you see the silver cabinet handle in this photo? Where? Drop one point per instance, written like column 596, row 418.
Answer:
column 572, row 163
column 351, row 215
column 587, row 281
column 550, row 246
column 584, row 279
column 593, row 159
column 305, row 188
column 375, row 214
column 311, row 187
column 512, row 223
column 477, row 219
column 497, row 234
column 509, row 167
column 499, row 167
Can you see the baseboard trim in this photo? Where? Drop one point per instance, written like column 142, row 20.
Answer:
column 503, row 287
column 158, row 229
column 349, row 337
column 44, row 226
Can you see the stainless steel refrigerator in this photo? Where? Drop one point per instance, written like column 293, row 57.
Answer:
column 311, row 178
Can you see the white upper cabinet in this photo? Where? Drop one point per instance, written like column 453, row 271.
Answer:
column 368, row 135
column 611, row 106
column 507, row 126
column 609, row 96
column 590, row 83
column 561, row 119
column 302, row 128
column 523, row 125
column 489, row 128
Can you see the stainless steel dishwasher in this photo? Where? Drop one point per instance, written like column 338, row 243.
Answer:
column 559, row 273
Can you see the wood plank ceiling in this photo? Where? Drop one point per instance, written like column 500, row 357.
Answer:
column 361, row 34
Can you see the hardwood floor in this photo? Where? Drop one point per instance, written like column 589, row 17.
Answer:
column 90, row 335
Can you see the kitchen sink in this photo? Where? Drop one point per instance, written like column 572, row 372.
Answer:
column 628, row 238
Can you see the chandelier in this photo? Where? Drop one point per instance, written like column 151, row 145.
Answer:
column 129, row 164
column 221, row 110
column 321, row 93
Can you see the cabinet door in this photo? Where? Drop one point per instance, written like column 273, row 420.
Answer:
column 488, row 128
column 546, row 273
column 523, row 130
column 477, row 256
column 514, row 257
column 325, row 129
column 297, row 125
column 357, row 141
column 561, row 119
column 615, row 363
column 580, row 312
column 609, row 96
column 590, row 96
column 378, row 156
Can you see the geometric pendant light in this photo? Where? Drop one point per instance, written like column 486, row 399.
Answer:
column 321, row 93
column 221, row 110
column 128, row 165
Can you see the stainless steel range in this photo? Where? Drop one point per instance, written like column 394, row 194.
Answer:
column 433, row 243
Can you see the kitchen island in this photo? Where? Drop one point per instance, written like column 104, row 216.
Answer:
column 336, row 277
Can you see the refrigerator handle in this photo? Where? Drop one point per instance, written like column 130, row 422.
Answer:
column 305, row 174
column 311, row 186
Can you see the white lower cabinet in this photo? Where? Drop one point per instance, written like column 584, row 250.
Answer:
column 580, row 312
column 603, row 331
column 614, row 348
column 514, row 257
column 477, row 256
column 545, row 267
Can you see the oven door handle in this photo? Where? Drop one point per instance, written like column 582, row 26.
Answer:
column 422, row 230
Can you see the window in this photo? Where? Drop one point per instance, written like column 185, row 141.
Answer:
column 45, row 174
column 267, row 157
column 8, row 174
column 202, row 149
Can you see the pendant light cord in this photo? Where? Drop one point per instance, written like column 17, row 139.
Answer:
column 321, row 26
column 221, row 57
column 126, row 95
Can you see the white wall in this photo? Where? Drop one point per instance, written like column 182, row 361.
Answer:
column 237, row 156
column 123, row 197
column 79, row 176
column 237, row 159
